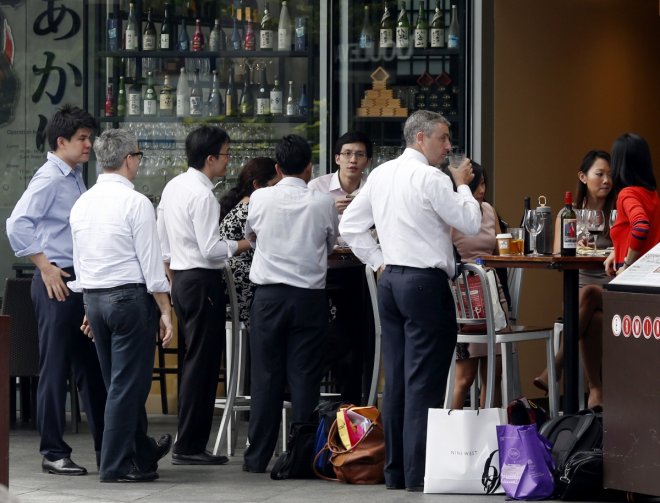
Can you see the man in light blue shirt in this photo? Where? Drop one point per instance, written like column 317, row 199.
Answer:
column 38, row 228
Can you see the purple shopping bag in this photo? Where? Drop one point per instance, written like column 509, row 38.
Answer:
column 526, row 464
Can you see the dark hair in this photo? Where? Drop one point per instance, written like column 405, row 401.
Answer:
column 293, row 154
column 479, row 173
column 631, row 162
column 66, row 121
column 260, row 170
column 203, row 142
column 354, row 137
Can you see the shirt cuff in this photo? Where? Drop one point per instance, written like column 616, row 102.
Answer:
column 73, row 286
column 232, row 246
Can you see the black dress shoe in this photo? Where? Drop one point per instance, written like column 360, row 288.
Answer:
column 202, row 458
column 62, row 466
column 415, row 489
column 163, row 446
column 246, row 468
column 134, row 475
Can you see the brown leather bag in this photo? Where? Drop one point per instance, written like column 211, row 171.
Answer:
column 364, row 462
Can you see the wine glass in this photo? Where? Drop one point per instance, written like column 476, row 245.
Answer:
column 581, row 231
column 612, row 218
column 533, row 224
column 595, row 225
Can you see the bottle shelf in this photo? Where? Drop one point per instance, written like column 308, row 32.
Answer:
column 206, row 119
column 203, row 54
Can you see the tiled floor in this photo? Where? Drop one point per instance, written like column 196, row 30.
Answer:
column 182, row 483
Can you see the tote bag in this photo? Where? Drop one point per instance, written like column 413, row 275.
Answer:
column 461, row 451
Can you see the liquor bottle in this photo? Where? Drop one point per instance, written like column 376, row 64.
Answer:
column 453, row 36
column 300, row 39
column 366, row 40
column 134, row 99
column 276, row 99
column 291, row 105
column 167, row 31
column 303, row 104
column 166, row 101
column 249, row 41
column 196, row 97
column 246, row 105
column 198, row 37
column 526, row 236
column 131, row 32
column 422, row 28
column 284, row 29
column 386, row 39
column 183, row 95
column 267, row 32
column 235, row 41
column 568, row 226
column 150, row 104
column 403, row 29
column 216, row 37
column 109, row 102
column 263, row 96
column 121, row 98
column 184, row 41
column 437, row 28
column 113, row 32
column 215, row 104
column 149, row 34
column 231, row 95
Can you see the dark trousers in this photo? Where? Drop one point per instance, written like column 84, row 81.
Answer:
column 349, row 349
column 199, row 302
column 124, row 321
column 62, row 346
column 288, row 325
column 418, row 321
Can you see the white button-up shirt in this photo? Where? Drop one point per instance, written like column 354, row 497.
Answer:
column 414, row 207
column 329, row 184
column 189, row 224
column 296, row 230
column 114, row 238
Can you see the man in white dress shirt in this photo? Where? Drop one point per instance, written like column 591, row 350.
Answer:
column 194, row 255
column 349, row 345
column 414, row 207
column 295, row 230
column 118, row 265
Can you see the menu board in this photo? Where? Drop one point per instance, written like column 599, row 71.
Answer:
column 642, row 275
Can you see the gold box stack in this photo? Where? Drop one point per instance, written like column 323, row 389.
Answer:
column 380, row 101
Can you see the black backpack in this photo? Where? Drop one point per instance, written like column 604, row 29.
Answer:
column 296, row 462
column 573, row 433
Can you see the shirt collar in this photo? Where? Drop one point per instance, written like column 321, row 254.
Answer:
column 61, row 165
column 292, row 181
column 196, row 173
column 114, row 177
column 416, row 154
column 335, row 184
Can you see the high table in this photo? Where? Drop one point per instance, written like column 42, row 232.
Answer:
column 570, row 267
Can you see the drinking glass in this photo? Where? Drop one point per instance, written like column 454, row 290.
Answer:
column 612, row 218
column 595, row 225
column 456, row 157
column 533, row 224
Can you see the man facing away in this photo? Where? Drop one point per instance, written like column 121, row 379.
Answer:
column 194, row 255
column 413, row 206
column 119, row 268
column 295, row 229
column 349, row 347
column 39, row 229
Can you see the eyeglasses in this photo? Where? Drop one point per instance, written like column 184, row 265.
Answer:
column 348, row 154
column 228, row 154
column 136, row 154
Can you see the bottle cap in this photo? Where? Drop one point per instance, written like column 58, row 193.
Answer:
column 568, row 197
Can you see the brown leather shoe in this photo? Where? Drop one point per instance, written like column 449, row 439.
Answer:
column 62, row 466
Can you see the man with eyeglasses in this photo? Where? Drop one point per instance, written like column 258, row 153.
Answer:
column 194, row 256
column 414, row 207
column 118, row 265
column 349, row 346
column 39, row 229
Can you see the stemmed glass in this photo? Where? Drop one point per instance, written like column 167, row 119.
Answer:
column 533, row 224
column 581, row 231
column 595, row 225
column 612, row 218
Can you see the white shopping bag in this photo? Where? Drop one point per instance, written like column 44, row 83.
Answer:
column 461, row 451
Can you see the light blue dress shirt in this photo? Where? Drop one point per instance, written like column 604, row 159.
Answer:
column 40, row 220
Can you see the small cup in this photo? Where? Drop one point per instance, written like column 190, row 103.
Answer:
column 504, row 243
column 517, row 246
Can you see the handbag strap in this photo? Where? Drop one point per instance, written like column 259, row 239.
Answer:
column 316, row 458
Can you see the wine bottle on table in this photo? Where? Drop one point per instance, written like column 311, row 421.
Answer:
column 568, row 227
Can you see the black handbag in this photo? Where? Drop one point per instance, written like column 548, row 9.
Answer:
column 296, row 462
column 582, row 479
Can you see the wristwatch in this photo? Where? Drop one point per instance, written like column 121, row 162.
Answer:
column 626, row 263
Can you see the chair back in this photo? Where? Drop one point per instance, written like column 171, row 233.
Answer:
column 373, row 296
column 514, row 276
column 23, row 334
